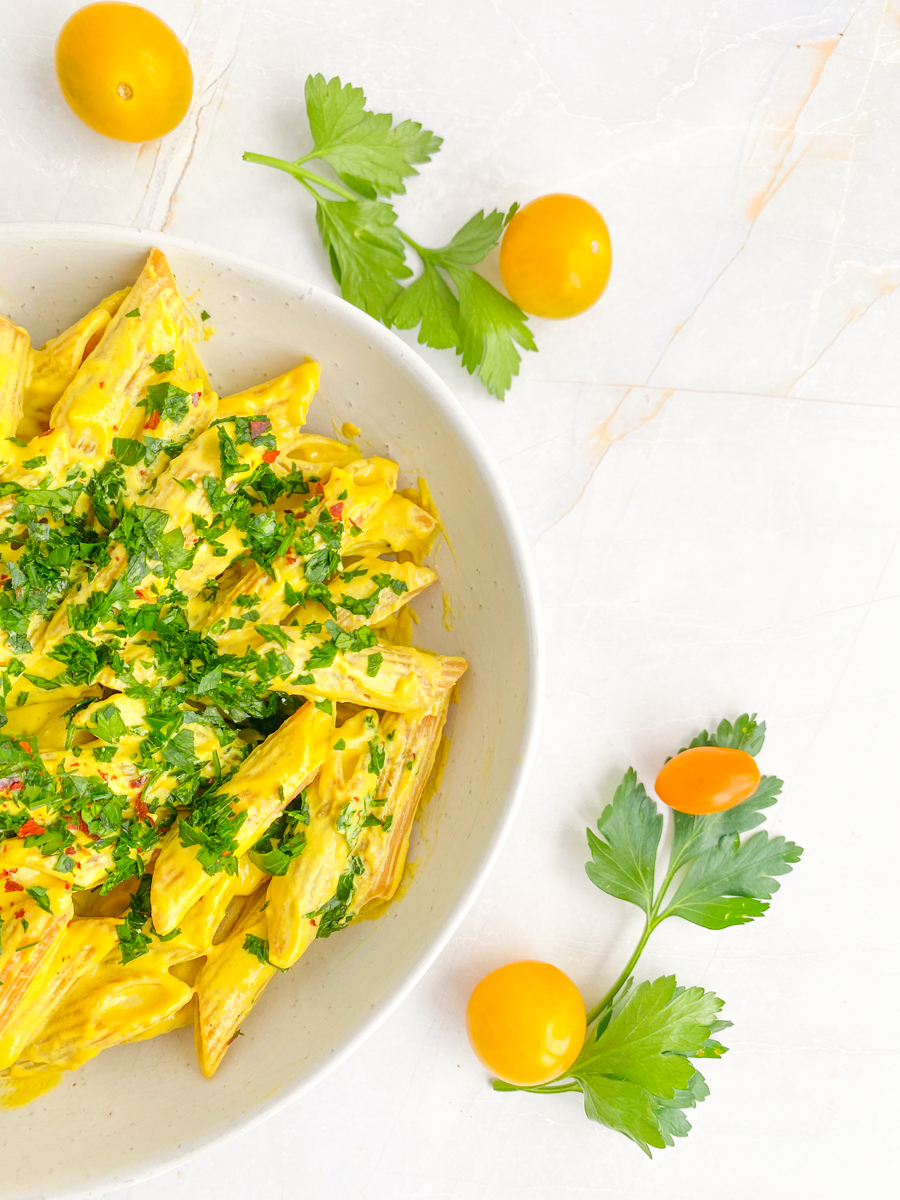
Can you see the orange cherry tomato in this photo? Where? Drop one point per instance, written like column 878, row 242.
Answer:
column 555, row 257
column 123, row 71
column 526, row 1022
column 707, row 779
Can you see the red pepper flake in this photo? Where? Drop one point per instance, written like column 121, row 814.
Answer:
column 15, row 786
column 31, row 829
column 153, row 420
column 319, row 488
column 314, row 922
column 337, row 511
column 78, row 827
column 138, row 782
column 259, row 425
column 11, row 886
column 103, row 776
column 141, row 809
column 19, row 913
column 26, row 746
column 271, row 455
column 69, row 850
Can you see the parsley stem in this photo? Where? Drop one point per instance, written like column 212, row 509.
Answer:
column 500, row 1085
column 653, row 919
column 606, row 1002
column 299, row 172
column 420, row 250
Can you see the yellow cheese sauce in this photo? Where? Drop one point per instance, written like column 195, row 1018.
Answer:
column 218, row 734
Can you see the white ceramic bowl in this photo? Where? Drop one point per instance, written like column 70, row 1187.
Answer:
column 138, row 1110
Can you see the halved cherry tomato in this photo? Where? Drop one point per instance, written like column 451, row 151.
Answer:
column 555, row 257
column 123, row 71
column 526, row 1022
column 707, row 779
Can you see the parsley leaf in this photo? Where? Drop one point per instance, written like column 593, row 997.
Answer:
column 41, row 898
column 693, row 834
column 490, row 326
column 479, row 322
column 371, row 154
column 453, row 307
column 428, row 302
column 108, row 724
column 745, row 734
column 477, row 238
column 163, row 362
column 728, row 884
column 641, row 1061
column 127, row 451
column 641, row 1058
column 366, row 251
column 258, row 947
column 169, row 400
column 623, row 858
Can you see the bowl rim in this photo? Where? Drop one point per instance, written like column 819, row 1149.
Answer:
column 437, row 392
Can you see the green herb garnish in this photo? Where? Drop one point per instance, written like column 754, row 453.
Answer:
column 636, row 1069
column 454, row 307
column 163, row 362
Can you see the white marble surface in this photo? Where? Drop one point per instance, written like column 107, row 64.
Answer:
column 706, row 466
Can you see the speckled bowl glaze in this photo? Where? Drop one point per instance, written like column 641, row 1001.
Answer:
column 138, row 1110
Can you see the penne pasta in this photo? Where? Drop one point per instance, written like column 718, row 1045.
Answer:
column 15, row 368
column 212, row 741
column 233, row 817
column 54, row 366
column 230, row 982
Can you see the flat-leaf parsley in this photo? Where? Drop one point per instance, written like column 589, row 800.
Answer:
column 454, row 307
column 636, row 1070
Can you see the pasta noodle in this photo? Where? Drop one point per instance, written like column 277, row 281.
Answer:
column 190, row 587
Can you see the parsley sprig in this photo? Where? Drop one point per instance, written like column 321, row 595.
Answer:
column 454, row 307
column 635, row 1069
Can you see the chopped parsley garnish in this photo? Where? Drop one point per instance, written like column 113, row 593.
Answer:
column 169, row 400
column 259, row 948
column 41, row 898
column 163, row 362
column 335, row 913
column 284, row 840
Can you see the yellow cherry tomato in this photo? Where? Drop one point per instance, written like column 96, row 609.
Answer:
column 707, row 779
column 123, row 71
column 555, row 256
column 526, row 1022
